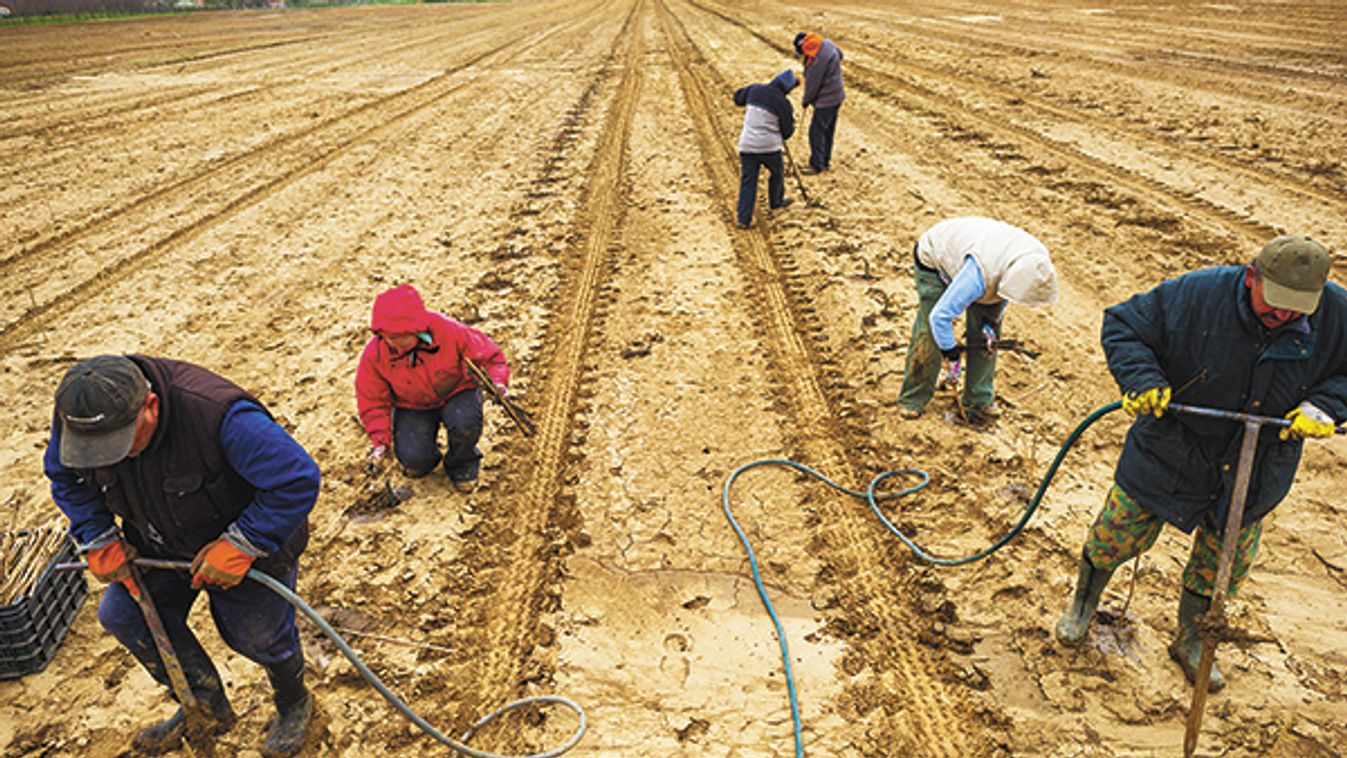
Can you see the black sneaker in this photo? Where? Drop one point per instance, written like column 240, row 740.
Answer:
column 785, row 203
column 742, row 225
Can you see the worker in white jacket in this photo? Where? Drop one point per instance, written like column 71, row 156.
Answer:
column 974, row 265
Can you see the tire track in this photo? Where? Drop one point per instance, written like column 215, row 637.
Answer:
column 85, row 116
column 972, row 125
column 936, row 715
column 317, row 148
column 519, row 582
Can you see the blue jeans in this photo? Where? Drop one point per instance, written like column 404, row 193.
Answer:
column 415, row 437
column 252, row 620
column 822, row 129
column 749, row 163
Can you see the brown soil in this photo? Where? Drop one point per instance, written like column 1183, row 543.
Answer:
column 234, row 188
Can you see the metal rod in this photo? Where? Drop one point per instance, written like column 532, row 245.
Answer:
column 1229, row 538
column 795, row 171
column 1195, row 410
column 193, row 709
column 1015, row 346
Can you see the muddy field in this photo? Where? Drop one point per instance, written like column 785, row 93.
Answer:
column 235, row 188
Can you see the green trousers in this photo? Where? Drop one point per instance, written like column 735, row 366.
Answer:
column 923, row 357
column 1124, row 530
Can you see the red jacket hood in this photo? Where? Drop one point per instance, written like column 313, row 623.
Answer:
column 399, row 310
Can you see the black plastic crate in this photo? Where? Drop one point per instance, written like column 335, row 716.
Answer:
column 32, row 627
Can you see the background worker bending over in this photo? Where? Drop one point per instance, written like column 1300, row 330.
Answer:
column 769, row 121
column 974, row 265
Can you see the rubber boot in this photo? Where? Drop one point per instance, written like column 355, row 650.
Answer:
column 1186, row 650
column 294, row 708
column 1090, row 586
column 167, row 735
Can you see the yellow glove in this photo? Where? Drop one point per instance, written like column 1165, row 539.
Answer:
column 1153, row 400
column 1307, row 421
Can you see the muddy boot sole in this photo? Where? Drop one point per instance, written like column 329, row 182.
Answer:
column 289, row 731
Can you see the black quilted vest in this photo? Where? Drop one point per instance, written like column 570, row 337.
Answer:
column 180, row 492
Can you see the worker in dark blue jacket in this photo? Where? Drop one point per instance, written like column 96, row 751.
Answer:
column 164, row 459
column 1269, row 338
column 769, row 121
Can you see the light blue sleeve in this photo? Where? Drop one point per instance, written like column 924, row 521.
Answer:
column 964, row 290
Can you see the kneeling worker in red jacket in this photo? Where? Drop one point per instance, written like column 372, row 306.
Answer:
column 412, row 379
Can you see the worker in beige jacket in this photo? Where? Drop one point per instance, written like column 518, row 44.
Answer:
column 969, row 265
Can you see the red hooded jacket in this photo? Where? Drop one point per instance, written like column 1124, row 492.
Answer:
column 425, row 376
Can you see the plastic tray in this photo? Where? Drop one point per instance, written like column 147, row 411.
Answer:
column 32, row 627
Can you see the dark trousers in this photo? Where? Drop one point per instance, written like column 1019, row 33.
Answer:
column 252, row 620
column 822, row 128
column 415, row 436
column 749, row 163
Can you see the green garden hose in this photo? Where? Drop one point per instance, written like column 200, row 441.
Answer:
column 870, row 497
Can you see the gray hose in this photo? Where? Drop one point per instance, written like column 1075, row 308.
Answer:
column 459, row 746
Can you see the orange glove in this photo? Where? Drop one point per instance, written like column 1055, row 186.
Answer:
column 112, row 562
column 221, row 564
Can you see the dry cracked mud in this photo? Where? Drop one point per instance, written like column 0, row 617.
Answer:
column 234, row 188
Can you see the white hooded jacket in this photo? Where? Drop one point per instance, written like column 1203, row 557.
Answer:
column 1014, row 264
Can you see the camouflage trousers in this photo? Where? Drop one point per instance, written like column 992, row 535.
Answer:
column 1124, row 530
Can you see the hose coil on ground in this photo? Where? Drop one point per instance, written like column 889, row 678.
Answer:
column 870, row 496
